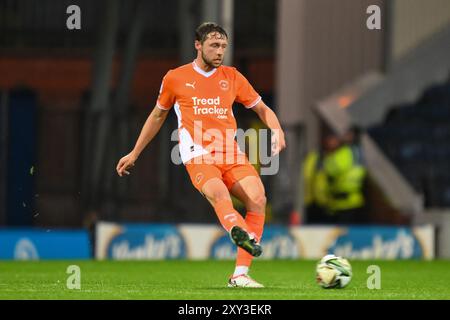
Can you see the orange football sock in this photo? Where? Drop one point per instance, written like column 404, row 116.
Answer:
column 228, row 216
column 255, row 223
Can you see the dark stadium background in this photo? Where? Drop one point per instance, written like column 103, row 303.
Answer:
column 72, row 103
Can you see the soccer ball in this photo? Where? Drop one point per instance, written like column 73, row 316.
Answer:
column 333, row 272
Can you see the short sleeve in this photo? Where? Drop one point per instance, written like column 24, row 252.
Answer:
column 166, row 98
column 245, row 93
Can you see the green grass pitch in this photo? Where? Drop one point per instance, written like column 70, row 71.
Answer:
column 284, row 279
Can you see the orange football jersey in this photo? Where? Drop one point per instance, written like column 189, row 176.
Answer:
column 203, row 103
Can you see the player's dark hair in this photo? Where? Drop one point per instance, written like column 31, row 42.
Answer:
column 201, row 33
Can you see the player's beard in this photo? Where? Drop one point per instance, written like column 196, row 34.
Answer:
column 209, row 62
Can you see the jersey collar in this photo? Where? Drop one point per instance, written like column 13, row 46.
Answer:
column 202, row 72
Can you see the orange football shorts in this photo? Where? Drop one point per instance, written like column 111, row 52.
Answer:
column 204, row 168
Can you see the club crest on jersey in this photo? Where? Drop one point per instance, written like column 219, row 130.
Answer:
column 199, row 177
column 224, row 85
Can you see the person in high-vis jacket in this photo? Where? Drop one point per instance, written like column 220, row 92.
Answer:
column 347, row 175
column 335, row 181
column 316, row 185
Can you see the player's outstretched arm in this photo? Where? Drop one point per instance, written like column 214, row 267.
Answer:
column 269, row 118
column 148, row 132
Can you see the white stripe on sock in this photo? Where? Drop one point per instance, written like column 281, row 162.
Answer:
column 240, row 270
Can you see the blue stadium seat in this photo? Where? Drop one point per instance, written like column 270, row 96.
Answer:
column 416, row 137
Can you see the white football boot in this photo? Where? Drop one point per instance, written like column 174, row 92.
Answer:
column 243, row 281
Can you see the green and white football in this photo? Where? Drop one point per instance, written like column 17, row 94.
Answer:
column 333, row 272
